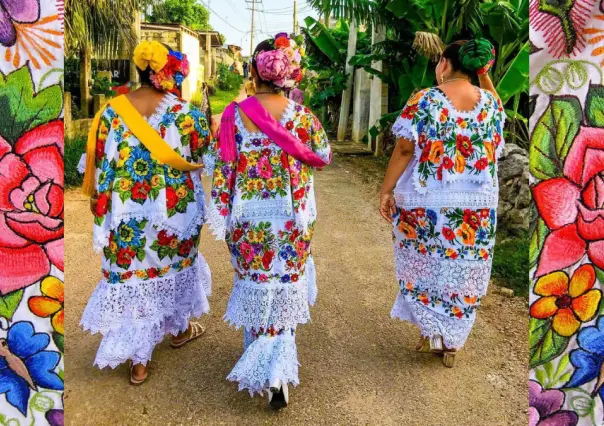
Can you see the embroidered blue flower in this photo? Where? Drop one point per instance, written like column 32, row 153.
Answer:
column 114, row 278
column 588, row 358
column 174, row 176
column 432, row 216
column 106, row 176
column 128, row 234
column 168, row 119
column 482, row 234
column 139, row 164
column 25, row 365
column 238, row 138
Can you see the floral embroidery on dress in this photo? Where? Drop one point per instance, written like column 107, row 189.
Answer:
column 453, row 305
column 453, row 233
column 452, row 146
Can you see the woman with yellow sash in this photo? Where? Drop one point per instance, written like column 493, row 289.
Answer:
column 143, row 167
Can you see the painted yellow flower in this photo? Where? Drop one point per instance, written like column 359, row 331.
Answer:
column 467, row 234
column 568, row 302
column 187, row 125
column 50, row 304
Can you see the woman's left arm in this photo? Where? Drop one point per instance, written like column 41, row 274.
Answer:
column 400, row 159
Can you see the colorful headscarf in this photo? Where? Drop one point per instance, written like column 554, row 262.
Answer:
column 169, row 67
column 282, row 66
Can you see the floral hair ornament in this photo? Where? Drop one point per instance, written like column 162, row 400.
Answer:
column 173, row 70
column 282, row 66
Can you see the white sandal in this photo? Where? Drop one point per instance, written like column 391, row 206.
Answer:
column 196, row 331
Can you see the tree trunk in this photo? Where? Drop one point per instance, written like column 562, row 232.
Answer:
column 347, row 94
column 85, row 77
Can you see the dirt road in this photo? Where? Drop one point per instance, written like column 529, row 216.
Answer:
column 358, row 365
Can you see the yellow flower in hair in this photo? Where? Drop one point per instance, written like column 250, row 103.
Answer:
column 151, row 54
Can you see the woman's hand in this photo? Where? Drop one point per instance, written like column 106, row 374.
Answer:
column 387, row 206
column 214, row 127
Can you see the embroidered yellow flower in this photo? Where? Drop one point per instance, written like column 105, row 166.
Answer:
column 140, row 273
column 187, row 125
column 50, row 304
column 490, row 148
column 125, row 184
column 408, row 230
column 181, row 192
column 467, row 234
column 115, row 123
column 437, row 151
column 186, row 262
column 460, row 163
column 124, row 155
column 173, row 243
column 113, row 246
column 155, row 181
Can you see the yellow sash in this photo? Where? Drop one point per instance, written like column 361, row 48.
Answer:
column 158, row 147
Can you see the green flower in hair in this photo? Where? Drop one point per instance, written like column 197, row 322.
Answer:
column 476, row 54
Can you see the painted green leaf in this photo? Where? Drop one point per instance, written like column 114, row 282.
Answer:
column 59, row 340
column 22, row 108
column 553, row 137
column 544, row 343
column 594, row 106
column 537, row 239
column 9, row 304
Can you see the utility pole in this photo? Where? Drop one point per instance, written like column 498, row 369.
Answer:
column 295, row 20
column 253, row 2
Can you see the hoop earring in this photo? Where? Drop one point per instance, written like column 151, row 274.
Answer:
column 442, row 79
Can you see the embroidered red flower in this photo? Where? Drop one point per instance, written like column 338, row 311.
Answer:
column 448, row 163
column 125, row 256
column 302, row 134
column 284, row 161
column 237, row 234
column 448, row 234
column 152, row 272
column 163, row 238
column 471, row 218
column 225, row 197
column 572, row 208
column 464, row 146
column 102, row 205
column 425, row 152
column 140, row 191
column 242, row 163
column 31, row 206
column 176, row 108
column 299, row 194
column 171, row 198
column 289, row 125
column 185, row 248
column 481, row 164
column 267, row 259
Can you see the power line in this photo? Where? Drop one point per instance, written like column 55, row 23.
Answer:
column 220, row 17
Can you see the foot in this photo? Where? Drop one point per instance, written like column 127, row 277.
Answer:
column 449, row 357
column 138, row 373
column 194, row 331
column 278, row 398
column 422, row 341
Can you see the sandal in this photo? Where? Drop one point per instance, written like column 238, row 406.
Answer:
column 449, row 358
column 196, row 331
column 133, row 380
column 429, row 346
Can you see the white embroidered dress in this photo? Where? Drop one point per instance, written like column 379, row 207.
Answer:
column 147, row 225
column 263, row 205
column 444, row 230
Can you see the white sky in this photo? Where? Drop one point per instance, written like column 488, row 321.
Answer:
column 272, row 17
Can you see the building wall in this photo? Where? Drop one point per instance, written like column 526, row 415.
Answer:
column 190, row 47
column 170, row 38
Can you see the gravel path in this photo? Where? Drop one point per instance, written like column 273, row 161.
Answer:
column 358, row 365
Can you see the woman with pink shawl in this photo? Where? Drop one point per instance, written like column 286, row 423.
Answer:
column 263, row 206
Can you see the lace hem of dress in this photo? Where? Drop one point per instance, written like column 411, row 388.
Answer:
column 454, row 331
column 265, row 208
column 266, row 360
column 209, row 163
column 142, row 304
column 259, row 305
column 217, row 222
column 442, row 276
column 474, row 199
column 400, row 131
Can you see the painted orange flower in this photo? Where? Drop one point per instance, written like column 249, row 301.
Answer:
column 50, row 304
column 568, row 303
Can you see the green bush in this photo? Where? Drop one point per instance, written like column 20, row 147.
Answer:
column 226, row 79
column 511, row 263
column 74, row 148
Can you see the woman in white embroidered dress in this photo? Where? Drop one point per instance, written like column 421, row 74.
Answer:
column 263, row 205
column 147, row 221
column 440, row 192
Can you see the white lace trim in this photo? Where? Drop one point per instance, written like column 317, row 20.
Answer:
column 311, row 276
column 400, row 130
column 454, row 331
column 134, row 316
column 442, row 276
column 474, row 199
column 209, row 163
column 82, row 164
column 265, row 360
column 154, row 119
column 217, row 222
column 260, row 305
column 262, row 209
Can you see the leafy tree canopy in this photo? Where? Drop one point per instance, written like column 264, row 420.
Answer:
column 185, row 12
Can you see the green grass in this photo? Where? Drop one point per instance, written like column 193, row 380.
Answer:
column 222, row 98
column 511, row 263
column 74, row 148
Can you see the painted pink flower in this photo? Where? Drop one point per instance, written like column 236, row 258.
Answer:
column 273, row 65
column 572, row 206
column 31, row 206
column 264, row 168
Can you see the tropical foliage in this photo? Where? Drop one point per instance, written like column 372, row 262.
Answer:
column 185, row 12
column 407, row 65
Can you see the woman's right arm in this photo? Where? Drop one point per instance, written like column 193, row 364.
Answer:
column 401, row 156
column 487, row 84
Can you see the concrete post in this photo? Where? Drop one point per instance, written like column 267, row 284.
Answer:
column 360, row 112
column 208, row 56
column 375, row 108
column 85, row 77
column 67, row 113
column 214, row 64
column 347, row 93
column 98, row 102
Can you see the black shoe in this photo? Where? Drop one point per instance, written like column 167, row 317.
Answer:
column 278, row 398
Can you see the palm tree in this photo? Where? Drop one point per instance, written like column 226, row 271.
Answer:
column 101, row 28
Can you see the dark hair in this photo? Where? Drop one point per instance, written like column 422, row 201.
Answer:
column 264, row 46
column 451, row 53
